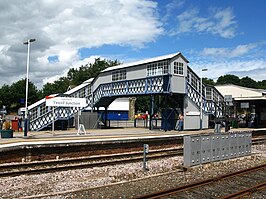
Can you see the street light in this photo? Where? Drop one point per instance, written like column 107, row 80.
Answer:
column 201, row 100
column 27, row 85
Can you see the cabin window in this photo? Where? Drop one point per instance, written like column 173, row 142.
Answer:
column 119, row 75
column 189, row 76
column 209, row 93
column 178, row 68
column 158, row 68
column 194, row 82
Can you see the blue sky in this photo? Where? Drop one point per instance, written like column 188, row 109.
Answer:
column 238, row 39
column 227, row 37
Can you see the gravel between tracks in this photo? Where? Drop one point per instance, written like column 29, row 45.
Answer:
column 32, row 185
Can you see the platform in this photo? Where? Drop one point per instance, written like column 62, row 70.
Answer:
column 93, row 135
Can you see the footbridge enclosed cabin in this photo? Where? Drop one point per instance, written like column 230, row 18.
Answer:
column 168, row 78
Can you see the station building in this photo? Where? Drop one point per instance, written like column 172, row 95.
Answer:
column 248, row 104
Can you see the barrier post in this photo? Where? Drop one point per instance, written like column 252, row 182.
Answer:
column 145, row 152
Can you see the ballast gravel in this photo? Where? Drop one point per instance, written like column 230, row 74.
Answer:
column 121, row 181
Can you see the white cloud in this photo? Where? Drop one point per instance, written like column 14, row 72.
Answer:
column 219, row 22
column 251, row 68
column 62, row 27
column 4, row 58
column 226, row 26
column 171, row 7
column 76, row 64
column 229, row 52
column 242, row 60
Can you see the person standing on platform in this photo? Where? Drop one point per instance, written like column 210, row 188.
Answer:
column 6, row 125
column 181, row 122
column 19, row 124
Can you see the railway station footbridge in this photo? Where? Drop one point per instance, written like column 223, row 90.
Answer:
column 168, row 76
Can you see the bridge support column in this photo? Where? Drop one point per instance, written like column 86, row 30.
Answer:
column 105, row 117
column 151, row 111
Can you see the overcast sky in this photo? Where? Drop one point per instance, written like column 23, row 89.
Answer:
column 227, row 37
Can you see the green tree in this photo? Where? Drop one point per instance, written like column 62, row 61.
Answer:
column 90, row 70
column 262, row 84
column 58, row 86
column 18, row 90
column 5, row 96
column 207, row 81
column 228, row 79
column 248, row 82
column 142, row 104
column 12, row 96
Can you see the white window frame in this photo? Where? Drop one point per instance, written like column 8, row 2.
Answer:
column 119, row 75
column 179, row 68
column 158, row 68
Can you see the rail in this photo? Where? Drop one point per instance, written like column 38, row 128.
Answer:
column 190, row 187
column 79, row 163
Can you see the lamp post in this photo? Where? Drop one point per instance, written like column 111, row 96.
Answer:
column 27, row 85
column 201, row 100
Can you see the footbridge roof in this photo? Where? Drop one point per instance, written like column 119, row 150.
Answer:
column 145, row 61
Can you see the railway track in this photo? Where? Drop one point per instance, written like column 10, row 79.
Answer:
column 232, row 185
column 80, row 163
column 129, row 188
column 89, row 162
column 258, row 141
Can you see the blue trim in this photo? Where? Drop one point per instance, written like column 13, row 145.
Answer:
column 146, row 86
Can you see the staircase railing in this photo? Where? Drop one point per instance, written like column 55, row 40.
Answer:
column 41, row 116
column 213, row 101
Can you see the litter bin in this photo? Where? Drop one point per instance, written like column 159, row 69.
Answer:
column 234, row 124
column 7, row 133
column 15, row 125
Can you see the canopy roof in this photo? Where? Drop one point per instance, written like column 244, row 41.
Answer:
column 241, row 93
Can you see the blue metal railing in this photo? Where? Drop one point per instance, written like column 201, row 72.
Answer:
column 149, row 85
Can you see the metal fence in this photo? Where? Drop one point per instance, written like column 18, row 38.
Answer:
column 137, row 123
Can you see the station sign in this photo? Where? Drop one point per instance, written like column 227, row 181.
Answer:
column 228, row 98
column 65, row 101
column 244, row 105
column 192, row 113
